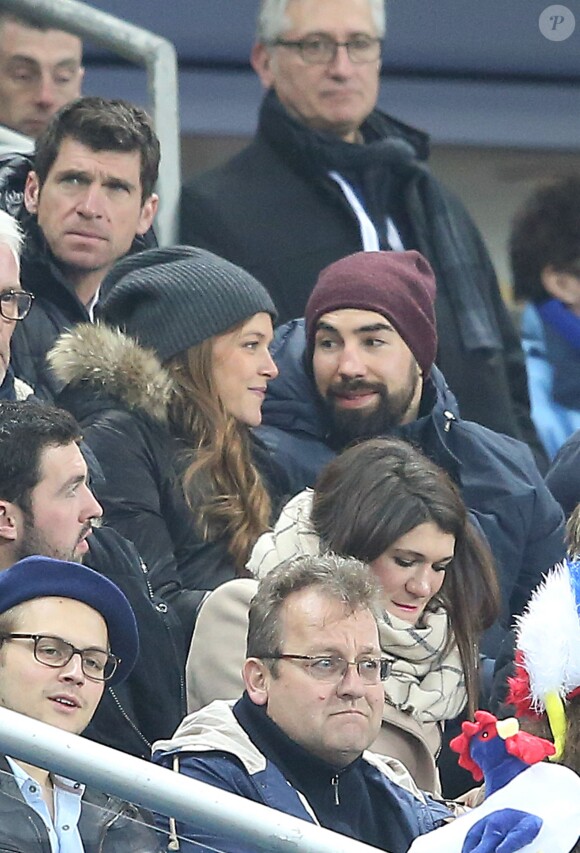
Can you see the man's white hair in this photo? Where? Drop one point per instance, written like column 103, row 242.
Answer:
column 273, row 22
column 11, row 235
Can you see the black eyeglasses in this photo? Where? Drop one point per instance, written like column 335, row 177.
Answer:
column 96, row 664
column 15, row 304
column 320, row 50
column 334, row 668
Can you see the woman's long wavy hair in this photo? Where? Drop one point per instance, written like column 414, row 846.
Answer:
column 221, row 484
column 379, row 490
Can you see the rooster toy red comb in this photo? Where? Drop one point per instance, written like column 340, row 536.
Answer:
column 497, row 749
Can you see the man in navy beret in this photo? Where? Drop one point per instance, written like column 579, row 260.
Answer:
column 65, row 632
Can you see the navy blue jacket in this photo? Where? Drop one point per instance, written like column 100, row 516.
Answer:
column 212, row 746
column 497, row 475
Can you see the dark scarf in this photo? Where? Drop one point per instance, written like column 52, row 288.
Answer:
column 363, row 811
column 387, row 173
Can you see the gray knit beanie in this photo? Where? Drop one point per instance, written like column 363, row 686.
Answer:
column 173, row 298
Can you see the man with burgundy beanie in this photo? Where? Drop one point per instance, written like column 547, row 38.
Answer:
column 360, row 365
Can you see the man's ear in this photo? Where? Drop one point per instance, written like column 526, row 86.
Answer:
column 256, row 677
column 31, row 192
column 10, row 521
column 147, row 214
column 261, row 62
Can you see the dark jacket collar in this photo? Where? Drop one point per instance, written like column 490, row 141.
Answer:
column 301, row 768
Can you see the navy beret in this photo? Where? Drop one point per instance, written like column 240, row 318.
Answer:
column 43, row 577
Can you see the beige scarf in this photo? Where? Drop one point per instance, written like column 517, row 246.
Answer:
column 424, row 682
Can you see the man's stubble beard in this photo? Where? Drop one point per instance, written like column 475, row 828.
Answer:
column 33, row 542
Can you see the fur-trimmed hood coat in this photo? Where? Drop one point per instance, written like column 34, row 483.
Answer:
column 119, row 393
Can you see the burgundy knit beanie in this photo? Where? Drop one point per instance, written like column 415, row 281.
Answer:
column 398, row 285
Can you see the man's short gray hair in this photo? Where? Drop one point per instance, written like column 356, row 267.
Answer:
column 272, row 20
column 342, row 579
column 11, row 235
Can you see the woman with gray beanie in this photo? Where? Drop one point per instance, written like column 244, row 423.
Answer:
column 167, row 393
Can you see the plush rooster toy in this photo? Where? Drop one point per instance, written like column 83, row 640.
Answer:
column 529, row 805
column 496, row 750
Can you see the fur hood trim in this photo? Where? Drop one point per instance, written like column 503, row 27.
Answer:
column 113, row 363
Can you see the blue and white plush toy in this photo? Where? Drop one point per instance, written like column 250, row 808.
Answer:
column 531, row 805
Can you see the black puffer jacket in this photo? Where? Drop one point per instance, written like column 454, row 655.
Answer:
column 113, row 826
column 118, row 392
column 151, row 702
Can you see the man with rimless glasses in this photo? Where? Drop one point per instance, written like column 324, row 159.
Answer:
column 65, row 632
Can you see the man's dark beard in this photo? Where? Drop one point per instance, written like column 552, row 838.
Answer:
column 349, row 425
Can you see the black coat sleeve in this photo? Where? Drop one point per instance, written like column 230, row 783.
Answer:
column 142, row 500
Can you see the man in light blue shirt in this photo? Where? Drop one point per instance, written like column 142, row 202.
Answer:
column 65, row 631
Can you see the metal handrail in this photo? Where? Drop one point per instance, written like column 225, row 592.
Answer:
column 161, row 790
column 143, row 48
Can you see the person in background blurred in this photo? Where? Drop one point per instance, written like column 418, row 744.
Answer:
column 40, row 71
column 545, row 260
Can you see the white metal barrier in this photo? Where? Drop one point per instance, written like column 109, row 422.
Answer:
column 164, row 791
column 141, row 47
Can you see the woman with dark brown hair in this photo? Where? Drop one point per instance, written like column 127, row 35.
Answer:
column 167, row 395
column 386, row 504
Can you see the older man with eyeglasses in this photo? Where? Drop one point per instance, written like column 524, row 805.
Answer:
column 15, row 303
column 328, row 174
column 65, row 632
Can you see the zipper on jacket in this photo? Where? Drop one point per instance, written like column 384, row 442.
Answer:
column 129, row 720
column 161, row 607
column 449, row 418
column 145, row 571
column 334, row 783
